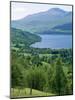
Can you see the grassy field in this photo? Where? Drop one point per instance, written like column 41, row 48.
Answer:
column 40, row 55
column 26, row 93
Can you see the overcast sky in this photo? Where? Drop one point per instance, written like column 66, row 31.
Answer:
column 21, row 10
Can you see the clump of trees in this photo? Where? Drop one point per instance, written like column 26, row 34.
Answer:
column 59, row 81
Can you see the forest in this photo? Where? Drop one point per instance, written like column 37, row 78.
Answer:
column 39, row 71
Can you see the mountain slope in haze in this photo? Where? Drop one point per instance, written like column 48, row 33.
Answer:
column 43, row 21
column 67, row 26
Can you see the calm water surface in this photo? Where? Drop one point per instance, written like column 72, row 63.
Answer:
column 54, row 41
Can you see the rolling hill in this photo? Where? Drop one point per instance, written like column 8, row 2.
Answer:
column 22, row 38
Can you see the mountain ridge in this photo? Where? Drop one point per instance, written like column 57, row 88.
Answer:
column 43, row 21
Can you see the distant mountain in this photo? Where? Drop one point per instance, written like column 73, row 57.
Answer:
column 57, row 12
column 67, row 26
column 43, row 21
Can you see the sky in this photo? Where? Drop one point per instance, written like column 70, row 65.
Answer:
column 20, row 10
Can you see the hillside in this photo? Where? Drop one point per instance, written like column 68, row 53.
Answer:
column 22, row 38
column 43, row 21
column 67, row 26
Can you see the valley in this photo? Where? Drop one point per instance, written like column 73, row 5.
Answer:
column 42, row 54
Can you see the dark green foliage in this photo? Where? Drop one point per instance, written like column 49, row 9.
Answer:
column 35, row 78
column 36, row 73
column 59, row 81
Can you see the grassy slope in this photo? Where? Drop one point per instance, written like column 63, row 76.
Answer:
column 26, row 93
